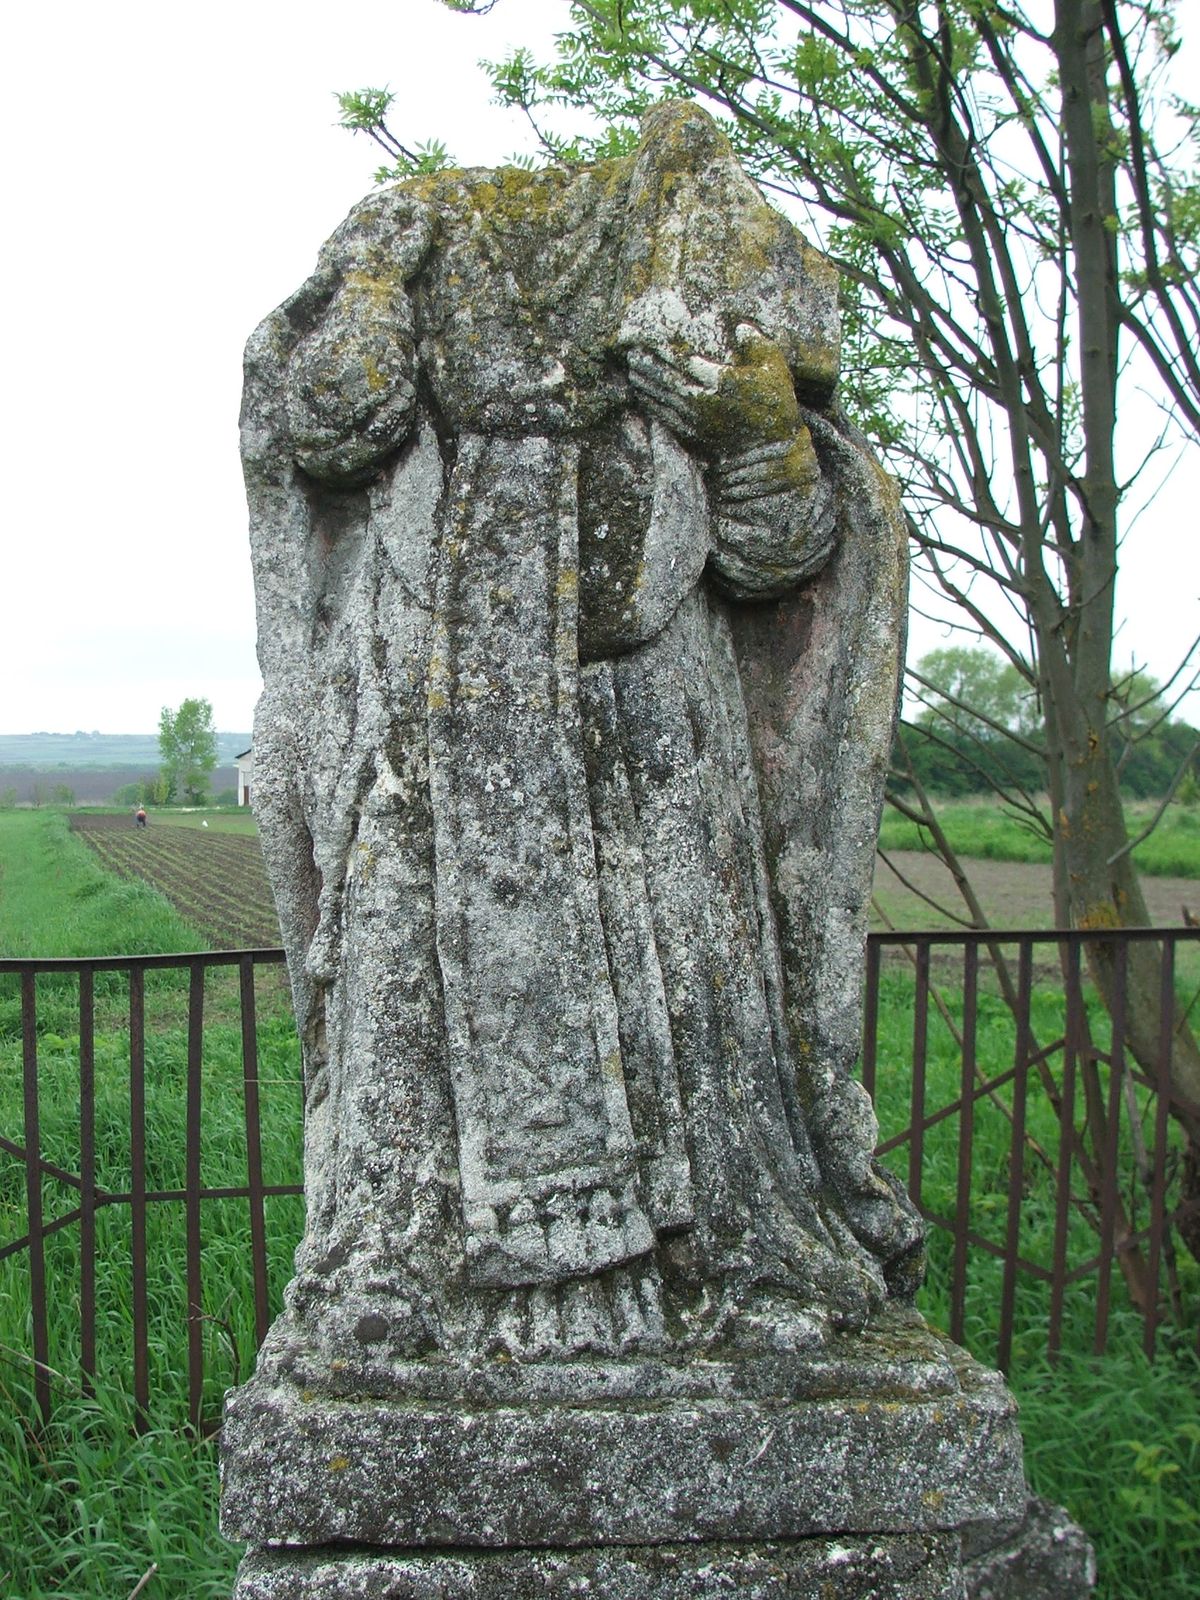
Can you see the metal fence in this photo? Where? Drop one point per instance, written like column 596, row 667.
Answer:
column 1047, row 1155
column 42, row 1176
column 1035, row 1143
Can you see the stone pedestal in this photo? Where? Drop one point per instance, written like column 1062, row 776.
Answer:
column 845, row 1472
column 904, row 1566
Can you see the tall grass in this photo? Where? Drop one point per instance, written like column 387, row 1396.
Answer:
column 1115, row 1438
column 57, row 900
column 87, row 1504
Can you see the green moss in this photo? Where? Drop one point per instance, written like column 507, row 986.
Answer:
column 755, row 403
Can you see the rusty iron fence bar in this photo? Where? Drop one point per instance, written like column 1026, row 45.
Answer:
column 1083, row 1163
column 137, row 1201
column 1016, row 1163
column 1066, row 1130
column 33, row 1193
column 260, row 956
column 870, row 1044
column 1166, row 1029
column 1112, row 1135
column 195, row 1296
column 966, row 1130
column 124, row 1197
column 1065, row 1069
column 916, row 1147
column 138, row 1197
column 256, row 1191
column 87, row 1180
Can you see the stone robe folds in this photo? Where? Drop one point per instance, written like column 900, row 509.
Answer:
column 580, row 616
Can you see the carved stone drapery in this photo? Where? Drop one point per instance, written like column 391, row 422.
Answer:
column 580, row 619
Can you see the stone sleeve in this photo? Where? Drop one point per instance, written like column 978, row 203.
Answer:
column 351, row 394
column 773, row 518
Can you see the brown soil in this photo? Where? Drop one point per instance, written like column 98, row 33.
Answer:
column 1014, row 894
column 215, row 880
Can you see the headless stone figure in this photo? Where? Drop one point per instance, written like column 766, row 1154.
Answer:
column 579, row 619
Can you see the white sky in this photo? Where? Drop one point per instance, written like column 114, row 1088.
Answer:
column 172, row 172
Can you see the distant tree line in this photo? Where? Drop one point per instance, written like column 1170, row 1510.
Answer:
column 973, row 731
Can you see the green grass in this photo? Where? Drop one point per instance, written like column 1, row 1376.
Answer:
column 1115, row 1438
column 57, row 900
column 87, row 1504
column 987, row 832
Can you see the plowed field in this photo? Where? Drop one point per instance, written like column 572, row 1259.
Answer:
column 216, row 880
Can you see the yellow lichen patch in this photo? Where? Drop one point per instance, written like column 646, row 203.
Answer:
column 612, row 1066
column 611, row 173
column 376, row 379
column 681, row 135
column 338, row 1463
column 379, row 290
column 511, row 198
column 758, row 236
column 817, row 362
column 934, row 1499
column 364, row 861
column 800, row 467
column 755, row 402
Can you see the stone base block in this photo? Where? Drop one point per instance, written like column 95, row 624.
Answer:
column 1043, row 1556
column 903, row 1435
column 903, row 1567
column 850, row 1472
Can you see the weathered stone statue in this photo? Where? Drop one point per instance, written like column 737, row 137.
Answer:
column 580, row 618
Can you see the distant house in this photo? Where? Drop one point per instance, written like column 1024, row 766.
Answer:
column 245, row 771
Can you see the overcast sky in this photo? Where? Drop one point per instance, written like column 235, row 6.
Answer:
column 172, row 172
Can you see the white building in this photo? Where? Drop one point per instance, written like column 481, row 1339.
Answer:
column 245, row 771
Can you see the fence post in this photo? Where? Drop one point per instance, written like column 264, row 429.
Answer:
column 1108, row 1194
column 254, row 1181
column 137, row 1192
column 87, row 1178
column 1016, row 1159
column 1162, row 1109
column 195, row 1288
column 916, row 1143
column 966, row 1133
column 33, row 1195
